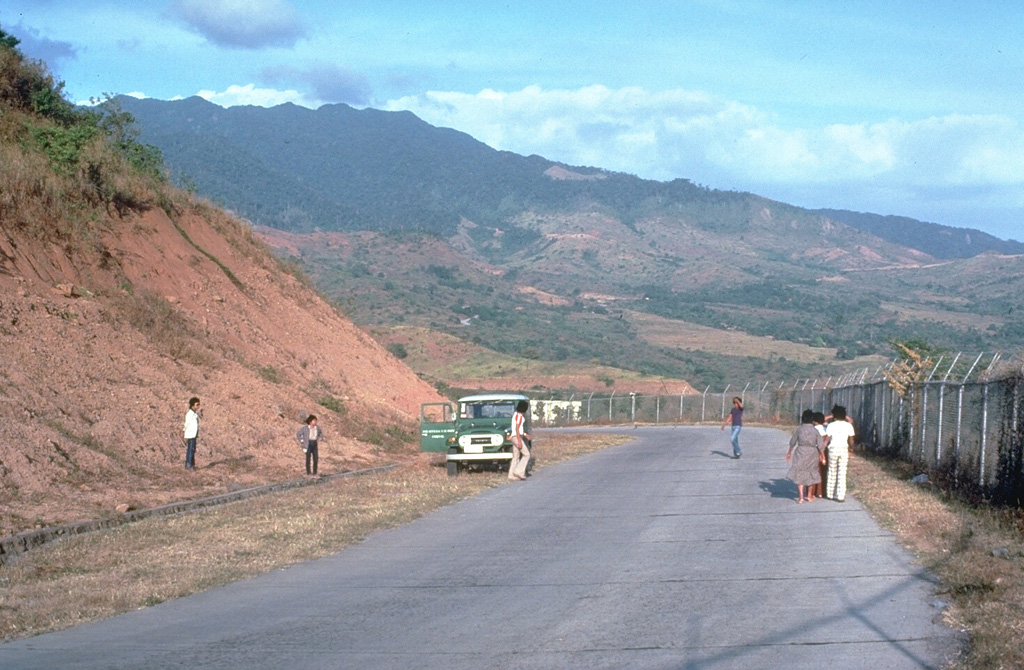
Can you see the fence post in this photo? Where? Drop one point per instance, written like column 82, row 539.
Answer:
column 911, row 428
column 960, row 417
column 1015, row 442
column 703, row 403
column 938, row 438
column 885, row 426
column 906, row 416
column 942, row 395
column 924, row 416
column 984, row 434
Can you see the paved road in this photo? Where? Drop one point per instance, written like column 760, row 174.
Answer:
column 663, row 554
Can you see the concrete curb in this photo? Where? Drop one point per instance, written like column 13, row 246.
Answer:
column 13, row 546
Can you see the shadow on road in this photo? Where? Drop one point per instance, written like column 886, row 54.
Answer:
column 779, row 488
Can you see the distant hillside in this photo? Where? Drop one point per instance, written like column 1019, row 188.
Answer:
column 337, row 168
column 932, row 238
column 531, row 258
column 121, row 297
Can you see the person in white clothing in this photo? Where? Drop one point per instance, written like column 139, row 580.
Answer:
column 190, row 432
column 819, row 488
column 839, row 440
column 520, row 442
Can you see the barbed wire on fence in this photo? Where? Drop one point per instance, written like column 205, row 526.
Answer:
column 962, row 419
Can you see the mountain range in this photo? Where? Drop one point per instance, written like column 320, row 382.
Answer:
column 339, row 168
column 409, row 226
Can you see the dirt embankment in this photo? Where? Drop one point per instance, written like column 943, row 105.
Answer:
column 104, row 340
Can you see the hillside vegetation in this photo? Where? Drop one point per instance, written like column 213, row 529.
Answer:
column 121, row 297
column 405, row 224
column 932, row 238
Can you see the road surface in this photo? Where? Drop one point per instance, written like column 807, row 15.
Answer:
column 663, row 553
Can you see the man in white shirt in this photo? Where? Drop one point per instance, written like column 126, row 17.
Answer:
column 839, row 436
column 190, row 433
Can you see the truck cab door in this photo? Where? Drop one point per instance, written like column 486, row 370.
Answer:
column 437, row 424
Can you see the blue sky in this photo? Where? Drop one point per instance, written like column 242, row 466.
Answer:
column 907, row 108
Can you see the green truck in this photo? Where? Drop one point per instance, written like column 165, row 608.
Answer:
column 474, row 433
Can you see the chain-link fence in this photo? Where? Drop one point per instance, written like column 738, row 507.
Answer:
column 764, row 404
column 965, row 429
column 960, row 423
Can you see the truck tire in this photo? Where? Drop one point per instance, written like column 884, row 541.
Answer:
column 453, row 466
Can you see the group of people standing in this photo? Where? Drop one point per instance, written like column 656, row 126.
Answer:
column 819, row 452
column 309, row 437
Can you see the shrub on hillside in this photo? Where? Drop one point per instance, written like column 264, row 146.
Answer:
column 91, row 157
column 28, row 86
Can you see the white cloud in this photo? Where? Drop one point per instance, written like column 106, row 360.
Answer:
column 242, row 24
column 248, row 94
column 691, row 134
column 659, row 135
column 329, row 82
column 35, row 45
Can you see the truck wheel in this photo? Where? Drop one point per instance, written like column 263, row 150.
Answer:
column 453, row 468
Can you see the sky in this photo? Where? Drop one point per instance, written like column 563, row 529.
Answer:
column 893, row 107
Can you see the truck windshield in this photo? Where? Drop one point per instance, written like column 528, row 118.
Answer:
column 489, row 410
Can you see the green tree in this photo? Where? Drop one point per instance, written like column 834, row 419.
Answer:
column 8, row 41
column 123, row 132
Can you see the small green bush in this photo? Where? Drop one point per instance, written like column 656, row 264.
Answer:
column 332, row 403
column 388, row 438
column 271, row 374
column 63, row 145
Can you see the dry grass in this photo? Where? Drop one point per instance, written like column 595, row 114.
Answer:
column 438, row 355
column 682, row 335
column 106, row 573
column 958, row 319
column 167, row 328
column 977, row 553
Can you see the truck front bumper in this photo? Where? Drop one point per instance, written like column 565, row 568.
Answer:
column 493, row 456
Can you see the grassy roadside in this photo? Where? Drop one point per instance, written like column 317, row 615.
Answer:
column 977, row 553
column 105, row 573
